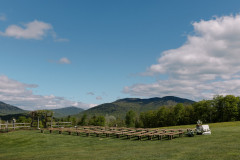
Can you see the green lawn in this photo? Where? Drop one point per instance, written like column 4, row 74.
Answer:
column 224, row 143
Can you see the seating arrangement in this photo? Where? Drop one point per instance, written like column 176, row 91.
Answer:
column 120, row 132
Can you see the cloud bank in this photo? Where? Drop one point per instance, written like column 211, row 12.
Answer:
column 206, row 65
column 21, row 95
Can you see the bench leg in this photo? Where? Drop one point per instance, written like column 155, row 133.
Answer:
column 149, row 137
column 169, row 136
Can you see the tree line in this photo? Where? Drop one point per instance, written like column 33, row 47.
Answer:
column 219, row 109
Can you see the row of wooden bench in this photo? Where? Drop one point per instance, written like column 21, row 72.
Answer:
column 119, row 132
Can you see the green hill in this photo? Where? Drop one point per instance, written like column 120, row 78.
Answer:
column 120, row 107
column 63, row 112
column 6, row 109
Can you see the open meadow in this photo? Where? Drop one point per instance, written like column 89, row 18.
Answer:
column 224, row 143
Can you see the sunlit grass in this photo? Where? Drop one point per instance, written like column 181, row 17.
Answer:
column 224, row 143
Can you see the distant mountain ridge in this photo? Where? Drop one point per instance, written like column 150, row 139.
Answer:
column 63, row 112
column 6, row 109
column 120, row 107
column 156, row 99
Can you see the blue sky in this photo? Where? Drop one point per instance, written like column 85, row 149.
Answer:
column 59, row 53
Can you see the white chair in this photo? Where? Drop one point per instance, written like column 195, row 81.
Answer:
column 206, row 130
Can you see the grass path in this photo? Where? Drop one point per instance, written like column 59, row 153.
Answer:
column 223, row 144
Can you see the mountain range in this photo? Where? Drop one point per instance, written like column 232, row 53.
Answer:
column 120, row 107
column 8, row 111
column 63, row 112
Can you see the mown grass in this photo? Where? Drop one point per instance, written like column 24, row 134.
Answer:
column 224, row 143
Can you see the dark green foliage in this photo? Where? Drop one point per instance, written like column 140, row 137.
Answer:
column 97, row 121
column 204, row 110
column 83, row 120
column 130, row 118
column 24, row 119
column 15, row 116
column 148, row 119
column 220, row 109
column 227, row 108
column 162, row 116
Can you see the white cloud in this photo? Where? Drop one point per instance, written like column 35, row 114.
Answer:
column 3, row 17
column 207, row 64
column 32, row 30
column 64, row 60
column 21, row 95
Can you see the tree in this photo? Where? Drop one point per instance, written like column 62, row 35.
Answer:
column 203, row 110
column 100, row 121
column 130, row 118
column 83, row 121
column 162, row 114
column 22, row 119
column 178, row 113
column 148, row 119
column 74, row 121
column 110, row 120
column 97, row 121
column 227, row 108
column 219, row 106
column 189, row 117
column 230, row 108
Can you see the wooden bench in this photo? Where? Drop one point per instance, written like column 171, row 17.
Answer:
column 159, row 135
column 171, row 134
column 129, row 135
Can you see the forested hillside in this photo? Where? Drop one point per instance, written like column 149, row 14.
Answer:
column 63, row 112
column 120, row 107
column 6, row 109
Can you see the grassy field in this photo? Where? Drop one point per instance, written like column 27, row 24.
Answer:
column 224, row 143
